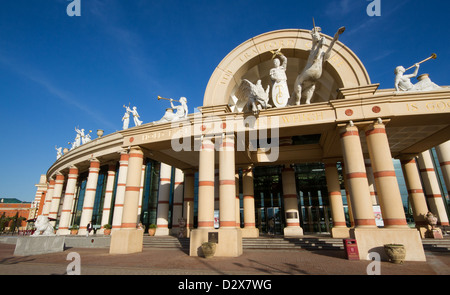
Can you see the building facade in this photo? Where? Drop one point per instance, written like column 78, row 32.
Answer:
column 336, row 165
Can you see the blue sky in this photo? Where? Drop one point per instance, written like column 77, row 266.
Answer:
column 58, row 72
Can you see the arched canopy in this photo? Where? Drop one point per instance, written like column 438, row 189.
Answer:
column 252, row 60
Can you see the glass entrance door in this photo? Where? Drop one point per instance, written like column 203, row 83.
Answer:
column 316, row 219
column 273, row 221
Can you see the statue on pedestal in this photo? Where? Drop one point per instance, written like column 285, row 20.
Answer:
column 255, row 96
column 43, row 227
column 126, row 119
column 58, row 152
column 137, row 122
column 305, row 83
column 403, row 82
column 181, row 111
column 280, row 92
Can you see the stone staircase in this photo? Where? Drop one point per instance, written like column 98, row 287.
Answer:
column 165, row 242
column 280, row 243
column 435, row 245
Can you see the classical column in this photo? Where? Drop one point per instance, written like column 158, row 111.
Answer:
column 290, row 203
column 358, row 185
column 56, row 199
column 162, row 220
column 206, row 185
column 443, row 153
column 120, row 191
column 416, row 195
column 339, row 229
column 432, row 190
column 141, row 191
column 227, row 186
column 39, row 197
column 189, row 191
column 238, row 203
column 371, row 180
column 385, row 179
column 129, row 239
column 108, row 195
column 249, row 229
column 48, row 197
column 177, row 211
column 89, row 196
column 69, row 195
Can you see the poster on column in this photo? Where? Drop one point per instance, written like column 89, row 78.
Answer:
column 216, row 218
column 378, row 217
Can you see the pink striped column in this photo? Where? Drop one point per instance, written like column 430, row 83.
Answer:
column 237, row 201
column 249, row 229
column 415, row 193
column 339, row 229
column 56, row 199
column 385, row 179
column 177, row 211
column 120, row 191
column 189, row 191
column 431, row 186
column 358, row 185
column 206, row 185
column 48, row 197
column 108, row 195
column 290, row 203
column 443, row 153
column 89, row 196
column 227, row 186
column 132, row 189
column 162, row 217
column 69, row 195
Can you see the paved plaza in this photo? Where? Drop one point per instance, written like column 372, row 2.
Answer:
column 98, row 261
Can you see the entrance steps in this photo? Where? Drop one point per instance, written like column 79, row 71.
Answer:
column 437, row 245
column 165, row 242
column 281, row 243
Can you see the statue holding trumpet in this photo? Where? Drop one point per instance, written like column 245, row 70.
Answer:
column 175, row 112
column 403, row 82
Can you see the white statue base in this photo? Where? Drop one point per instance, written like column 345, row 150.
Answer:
column 36, row 245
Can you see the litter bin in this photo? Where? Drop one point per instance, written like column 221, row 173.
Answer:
column 351, row 249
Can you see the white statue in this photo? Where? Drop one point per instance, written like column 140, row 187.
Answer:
column 58, row 152
column 255, row 97
column 126, row 119
column 43, row 226
column 280, row 92
column 137, row 122
column 181, row 111
column 87, row 138
column 305, row 83
column 78, row 138
column 403, row 82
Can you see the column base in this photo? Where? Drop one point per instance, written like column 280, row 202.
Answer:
column 162, row 231
column 63, row 232
column 229, row 242
column 340, row 232
column 250, row 232
column 126, row 241
column 295, row 231
column 373, row 240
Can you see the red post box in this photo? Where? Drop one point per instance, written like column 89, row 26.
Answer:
column 351, row 249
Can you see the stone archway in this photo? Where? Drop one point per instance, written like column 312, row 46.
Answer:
column 252, row 60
